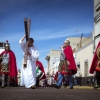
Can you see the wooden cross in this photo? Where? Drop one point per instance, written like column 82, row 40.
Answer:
column 27, row 23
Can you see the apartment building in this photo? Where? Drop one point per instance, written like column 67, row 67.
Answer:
column 96, row 22
column 53, row 59
column 84, row 54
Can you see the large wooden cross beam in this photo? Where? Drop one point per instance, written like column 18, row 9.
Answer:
column 27, row 23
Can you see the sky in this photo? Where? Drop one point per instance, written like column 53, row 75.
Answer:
column 52, row 21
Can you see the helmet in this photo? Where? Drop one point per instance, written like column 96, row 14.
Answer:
column 7, row 44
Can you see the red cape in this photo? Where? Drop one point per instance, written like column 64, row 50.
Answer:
column 69, row 56
column 94, row 61
column 12, row 64
column 56, row 76
column 41, row 68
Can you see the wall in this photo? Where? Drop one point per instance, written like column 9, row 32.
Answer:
column 85, row 54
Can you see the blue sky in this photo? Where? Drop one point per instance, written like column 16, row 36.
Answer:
column 52, row 21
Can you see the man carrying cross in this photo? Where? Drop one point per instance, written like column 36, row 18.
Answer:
column 28, row 73
column 28, row 70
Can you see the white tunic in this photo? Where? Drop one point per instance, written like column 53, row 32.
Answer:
column 28, row 74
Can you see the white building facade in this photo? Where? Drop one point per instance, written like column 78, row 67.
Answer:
column 84, row 55
column 2, row 44
column 96, row 22
column 53, row 60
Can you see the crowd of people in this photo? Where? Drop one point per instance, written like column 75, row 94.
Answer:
column 33, row 75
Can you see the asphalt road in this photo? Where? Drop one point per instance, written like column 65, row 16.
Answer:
column 15, row 93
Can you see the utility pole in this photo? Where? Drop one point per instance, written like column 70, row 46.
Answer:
column 81, row 40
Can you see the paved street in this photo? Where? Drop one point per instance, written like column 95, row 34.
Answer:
column 15, row 93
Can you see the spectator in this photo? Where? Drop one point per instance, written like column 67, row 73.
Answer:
column 78, row 76
column 40, row 73
column 18, row 76
column 52, row 79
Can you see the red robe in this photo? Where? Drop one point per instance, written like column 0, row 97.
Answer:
column 94, row 61
column 12, row 64
column 41, row 68
column 69, row 56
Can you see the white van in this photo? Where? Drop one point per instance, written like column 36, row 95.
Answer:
column 2, row 48
column 2, row 44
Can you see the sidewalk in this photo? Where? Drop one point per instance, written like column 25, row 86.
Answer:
column 81, row 87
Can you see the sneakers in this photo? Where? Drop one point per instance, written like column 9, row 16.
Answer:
column 97, row 86
column 33, row 87
column 71, row 87
column 2, row 86
column 57, row 87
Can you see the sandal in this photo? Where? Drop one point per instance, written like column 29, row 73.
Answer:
column 33, row 87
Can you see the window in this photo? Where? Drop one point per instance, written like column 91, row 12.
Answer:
column 86, row 68
column 78, row 66
column 97, row 7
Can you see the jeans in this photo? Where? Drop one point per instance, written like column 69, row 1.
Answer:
column 70, row 79
column 60, row 78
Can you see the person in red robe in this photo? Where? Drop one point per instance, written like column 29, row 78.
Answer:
column 95, row 65
column 8, row 67
column 40, row 73
column 67, row 66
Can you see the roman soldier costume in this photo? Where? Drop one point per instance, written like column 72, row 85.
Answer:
column 8, row 66
column 63, row 67
column 95, row 66
column 40, row 73
column 67, row 66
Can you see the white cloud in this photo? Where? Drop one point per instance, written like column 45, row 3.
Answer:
column 13, row 37
column 40, row 35
column 47, row 34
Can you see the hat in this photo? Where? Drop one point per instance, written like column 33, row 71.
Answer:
column 7, row 44
column 65, row 41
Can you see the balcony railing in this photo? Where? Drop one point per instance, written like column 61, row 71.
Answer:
column 84, row 42
column 97, row 18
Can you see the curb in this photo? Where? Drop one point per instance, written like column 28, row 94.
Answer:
column 82, row 87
